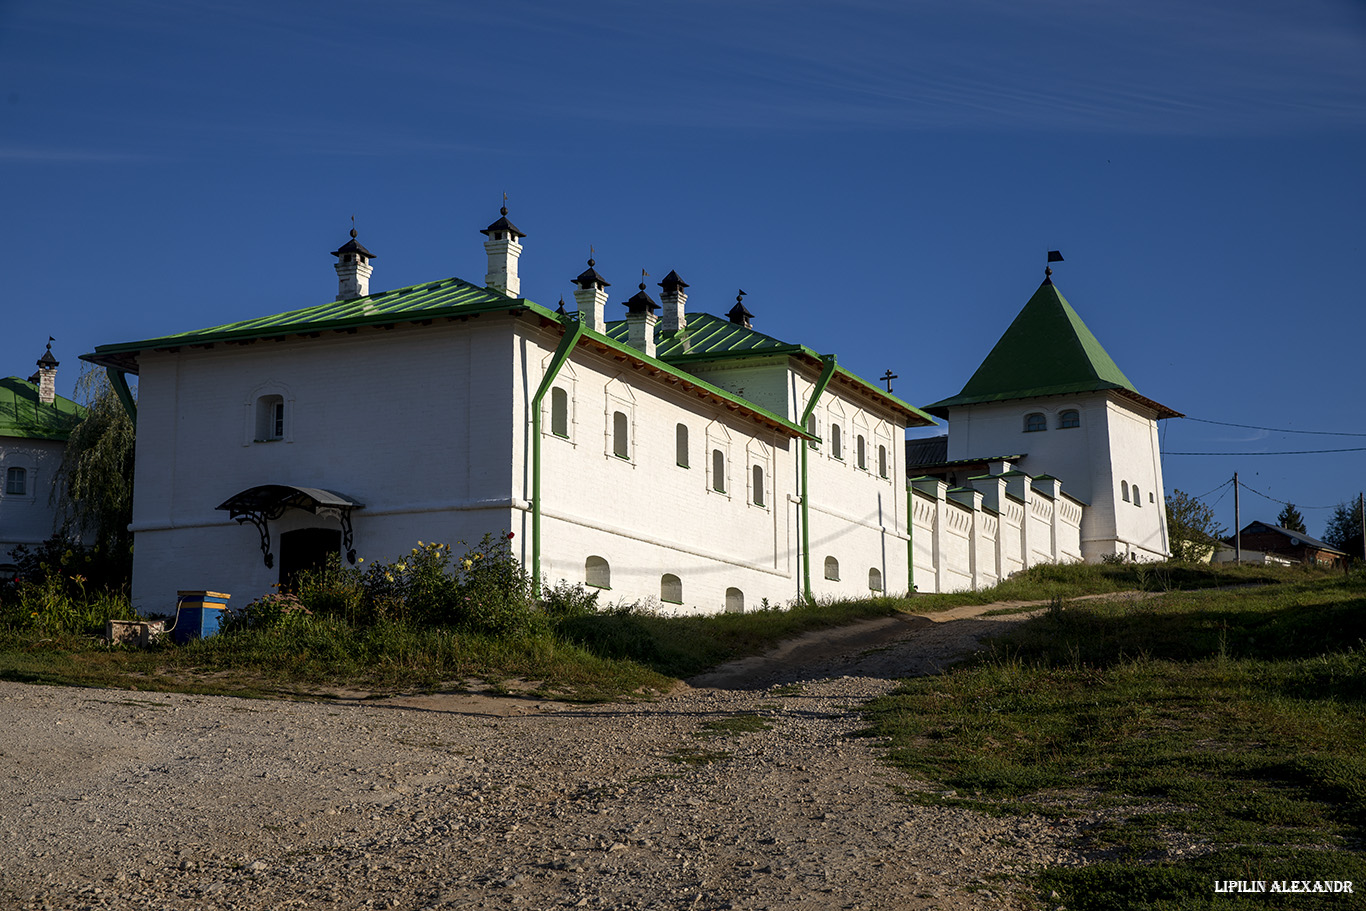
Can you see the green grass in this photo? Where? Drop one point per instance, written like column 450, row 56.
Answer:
column 1236, row 717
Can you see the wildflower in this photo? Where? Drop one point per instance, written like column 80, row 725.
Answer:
column 78, row 579
column 401, row 567
column 360, row 559
column 478, row 556
column 511, row 535
column 468, row 564
column 420, row 544
column 389, row 577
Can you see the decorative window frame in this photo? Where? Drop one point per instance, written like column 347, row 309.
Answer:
column 568, row 382
column 861, row 434
column 718, row 437
column 759, row 455
column 29, row 464
column 618, row 397
column 252, row 403
column 886, row 457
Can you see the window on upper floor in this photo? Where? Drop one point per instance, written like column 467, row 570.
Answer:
column 882, row 461
column 621, row 444
column 1138, row 497
column 1124, row 490
column 16, row 482
column 757, row 482
column 811, row 429
column 1069, row 418
column 861, row 453
column 559, row 412
column 681, row 445
column 836, row 445
column 270, row 418
column 1035, row 422
column 718, row 471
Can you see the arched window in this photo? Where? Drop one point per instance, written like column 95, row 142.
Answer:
column 559, row 412
column 875, row 579
column 861, row 453
column 811, row 429
column 597, row 573
column 16, row 482
column 1124, row 490
column 1138, row 497
column 735, row 601
column 835, row 449
column 882, row 461
column 1035, row 422
column 1069, row 419
column 681, row 445
column 270, row 418
column 757, row 479
column 718, row 471
column 832, row 569
column 671, row 588
column 620, row 444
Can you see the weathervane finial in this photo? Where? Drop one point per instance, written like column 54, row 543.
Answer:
column 504, row 210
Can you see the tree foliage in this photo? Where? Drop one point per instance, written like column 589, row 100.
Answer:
column 1344, row 528
column 1191, row 527
column 1291, row 520
column 96, row 493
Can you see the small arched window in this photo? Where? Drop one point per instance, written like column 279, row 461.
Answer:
column 270, row 418
column 597, row 573
column 16, row 482
column 671, row 589
column 1138, row 497
column 757, row 480
column 1035, row 422
column 1124, row 490
column 882, row 461
column 559, row 412
column 1069, row 418
column 735, row 601
column 718, row 471
column 681, row 445
column 621, row 447
column 875, row 579
column 832, row 569
column 861, row 453
column 836, row 449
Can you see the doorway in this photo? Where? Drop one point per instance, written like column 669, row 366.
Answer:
column 306, row 549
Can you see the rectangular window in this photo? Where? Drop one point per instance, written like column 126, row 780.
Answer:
column 16, row 482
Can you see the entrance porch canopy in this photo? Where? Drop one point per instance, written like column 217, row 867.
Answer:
column 258, row 505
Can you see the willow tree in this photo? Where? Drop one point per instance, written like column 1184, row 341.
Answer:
column 96, row 493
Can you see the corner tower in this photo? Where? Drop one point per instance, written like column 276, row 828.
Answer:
column 1049, row 389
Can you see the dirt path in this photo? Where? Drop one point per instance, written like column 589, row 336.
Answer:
column 749, row 788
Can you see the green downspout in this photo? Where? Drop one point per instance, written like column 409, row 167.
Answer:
column 119, row 380
column 910, row 536
column 827, row 372
column 571, row 336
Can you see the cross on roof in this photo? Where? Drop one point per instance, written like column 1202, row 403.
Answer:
column 888, row 377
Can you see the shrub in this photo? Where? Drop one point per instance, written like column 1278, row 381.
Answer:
column 54, row 604
column 284, row 611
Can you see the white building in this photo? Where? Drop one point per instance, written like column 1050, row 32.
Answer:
column 671, row 455
column 1049, row 401
column 34, row 425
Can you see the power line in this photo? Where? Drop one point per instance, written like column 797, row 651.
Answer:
column 1325, row 433
column 1282, row 502
column 1215, row 490
column 1281, row 452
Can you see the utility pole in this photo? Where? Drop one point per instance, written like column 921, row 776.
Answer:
column 1237, row 524
column 1361, row 511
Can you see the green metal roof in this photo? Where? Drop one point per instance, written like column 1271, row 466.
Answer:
column 23, row 416
column 707, row 337
column 1047, row 350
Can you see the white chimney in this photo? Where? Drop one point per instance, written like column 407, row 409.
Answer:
column 504, row 250
column 592, row 298
column 641, row 321
column 673, row 298
column 47, row 376
column 353, row 269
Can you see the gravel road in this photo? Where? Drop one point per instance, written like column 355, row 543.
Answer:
column 128, row 800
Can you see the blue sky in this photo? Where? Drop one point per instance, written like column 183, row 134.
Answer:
column 883, row 178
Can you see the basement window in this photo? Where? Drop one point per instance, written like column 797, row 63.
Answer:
column 735, row 601
column 832, row 569
column 597, row 573
column 875, row 580
column 671, row 589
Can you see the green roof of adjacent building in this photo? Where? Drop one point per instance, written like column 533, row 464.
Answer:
column 23, row 416
column 1047, row 350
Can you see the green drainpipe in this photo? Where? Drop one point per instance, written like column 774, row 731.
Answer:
column 119, row 380
column 827, row 372
column 572, row 333
column 910, row 542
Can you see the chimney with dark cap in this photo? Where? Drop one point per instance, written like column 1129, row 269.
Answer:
column 503, row 249
column 591, row 295
column 353, row 269
column 738, row 313
column 47, row 376
column 641, row 319
column 673, row 298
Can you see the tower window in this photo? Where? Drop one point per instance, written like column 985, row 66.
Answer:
column 1069, row 419
column 1138, row 498
column 718, row 471
column 882, row 461
column 836, row 449
column 758, row 481
column 1124, row 490
column 1035, row 422
column 861, row 453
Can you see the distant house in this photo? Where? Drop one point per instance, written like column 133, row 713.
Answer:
column 1293, row 545
column 34, row 425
